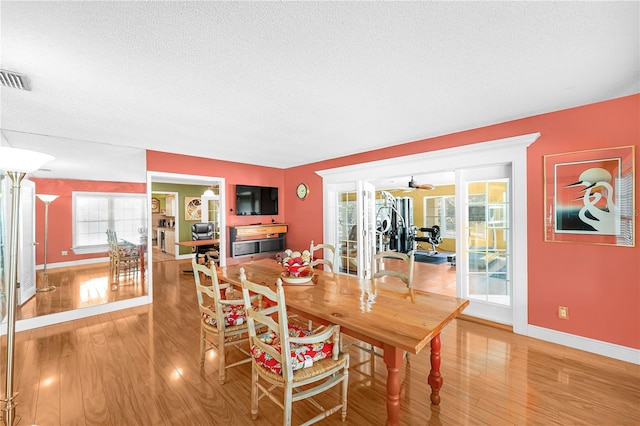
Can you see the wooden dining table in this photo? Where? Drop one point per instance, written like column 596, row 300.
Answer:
column 382, row 312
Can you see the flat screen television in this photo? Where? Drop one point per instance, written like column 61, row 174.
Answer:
column 256, row 200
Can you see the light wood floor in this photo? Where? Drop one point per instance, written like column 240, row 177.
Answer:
column 140, row 366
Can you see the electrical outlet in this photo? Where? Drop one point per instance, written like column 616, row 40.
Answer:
column 563, row 312
column 63, row 253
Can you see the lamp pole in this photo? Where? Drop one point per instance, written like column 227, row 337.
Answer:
column 16, row 163
column 10, row 404
column 46, row 199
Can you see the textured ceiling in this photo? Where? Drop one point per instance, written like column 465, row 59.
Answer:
column 288, row 83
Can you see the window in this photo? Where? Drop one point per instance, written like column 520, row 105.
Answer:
column 441, row 211
column 95, row 212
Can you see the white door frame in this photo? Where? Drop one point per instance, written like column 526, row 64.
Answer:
column 511, row 150
column 182, row 179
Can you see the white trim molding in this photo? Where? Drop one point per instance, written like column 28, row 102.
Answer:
column 89, row 311
column 599, row 347
column 75, row 263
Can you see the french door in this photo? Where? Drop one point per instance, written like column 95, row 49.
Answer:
column 212, row 212
column 353, row 226
column 472, row 164
column 26, row 271
column 484, row 251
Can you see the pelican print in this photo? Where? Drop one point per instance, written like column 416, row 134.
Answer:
column 597, row 186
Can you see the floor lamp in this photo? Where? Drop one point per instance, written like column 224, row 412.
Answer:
column 16, row 163
column 46, row 199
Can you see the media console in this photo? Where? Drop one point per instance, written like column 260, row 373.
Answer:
column 248, row 240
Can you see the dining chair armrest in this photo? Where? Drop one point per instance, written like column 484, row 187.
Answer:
column 206, row 311
column 324, row 335
column 331, row 332
column 239, row 301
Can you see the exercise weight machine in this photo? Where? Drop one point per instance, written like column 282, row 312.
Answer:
column 431, row 236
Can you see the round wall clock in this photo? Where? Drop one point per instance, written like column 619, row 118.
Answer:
column 302, row 191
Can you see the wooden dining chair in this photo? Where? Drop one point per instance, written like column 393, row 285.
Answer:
column 405, row 274
column 123, row 258
column 330, row 262
column 300, row 362
column 222, row 321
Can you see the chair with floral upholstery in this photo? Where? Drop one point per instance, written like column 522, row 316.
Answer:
column 123, row 258
column 287, row 356
column 222, row 321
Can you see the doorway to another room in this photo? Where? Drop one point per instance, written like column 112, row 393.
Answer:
column 178, row 202
column 488, row 250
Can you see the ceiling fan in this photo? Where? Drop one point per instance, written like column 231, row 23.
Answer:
column 414, row 185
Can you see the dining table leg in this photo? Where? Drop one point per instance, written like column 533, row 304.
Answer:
column 393, row 358
column 435, row 378
column 142, row 250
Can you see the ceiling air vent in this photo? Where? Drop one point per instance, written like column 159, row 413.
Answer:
column 13, row 80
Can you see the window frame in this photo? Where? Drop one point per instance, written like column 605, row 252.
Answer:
column 110, row 197
column 444, row 231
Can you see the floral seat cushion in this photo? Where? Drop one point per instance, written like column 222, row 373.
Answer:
column 302, row 355
column 233, row 315
column 127, row 250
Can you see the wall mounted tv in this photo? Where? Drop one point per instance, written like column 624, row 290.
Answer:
column 256, row 200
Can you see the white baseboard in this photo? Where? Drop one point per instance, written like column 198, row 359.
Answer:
column 89, row 311
column 74, row 263
column 610, row 350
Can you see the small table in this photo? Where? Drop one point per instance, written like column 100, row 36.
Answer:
column 381, row 312
column 196, row 243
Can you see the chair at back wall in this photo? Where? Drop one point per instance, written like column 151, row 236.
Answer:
column 330, row 262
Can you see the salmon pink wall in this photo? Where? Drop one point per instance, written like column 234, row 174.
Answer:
column 233, row 173
column 599, row 284
column 60, row 215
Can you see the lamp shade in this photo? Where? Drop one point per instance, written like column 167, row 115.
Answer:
column 211, row 191
column 22, row 160
column 46, row 198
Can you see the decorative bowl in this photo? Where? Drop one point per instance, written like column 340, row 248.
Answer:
column 304, row 278
column 294, row 270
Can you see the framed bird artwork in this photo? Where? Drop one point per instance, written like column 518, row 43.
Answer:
column 589, row 196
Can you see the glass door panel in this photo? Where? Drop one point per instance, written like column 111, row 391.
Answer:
column 212, row 211
column 347, row 230
column 367, row 213
column 487, row 235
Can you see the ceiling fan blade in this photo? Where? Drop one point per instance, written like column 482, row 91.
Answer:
column 425, row 186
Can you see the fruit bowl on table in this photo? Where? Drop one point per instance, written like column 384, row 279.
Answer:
column 300, row 276
column 294, row 270
column 294, row 262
